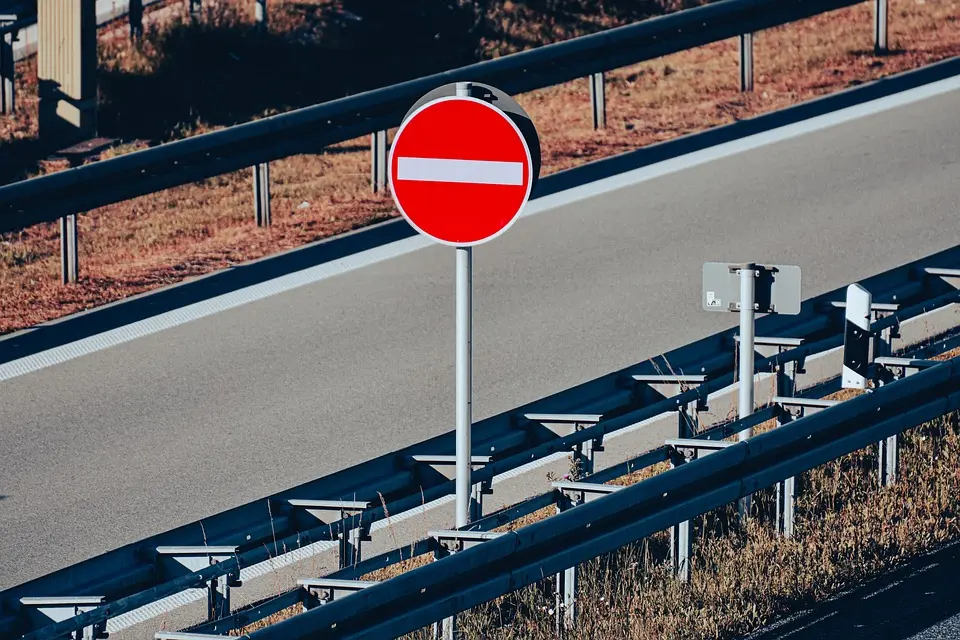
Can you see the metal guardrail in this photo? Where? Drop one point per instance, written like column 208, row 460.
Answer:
column 510, row 561
column 134, row 576
column 67, row 193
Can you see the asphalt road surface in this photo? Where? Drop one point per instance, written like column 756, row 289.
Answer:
column 108, row 448
column 919, row 601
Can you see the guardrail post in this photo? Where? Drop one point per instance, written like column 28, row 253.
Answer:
column 786, row 489
column 565, row 606
column 445, row 629
column 585, row 454
column 476, row 498
column 218, row 598
column 880, row 26
column 8, row 102
column 598, row 100
column 746, row 62
column 887, row 449
column 680, row 542
column 261, row 194
column 350, row 541
column 135, row 14
column 69, row 263
column 680, row 548
column 378, row 160
column 689, row 420
column 786, row 495
column 261, row 15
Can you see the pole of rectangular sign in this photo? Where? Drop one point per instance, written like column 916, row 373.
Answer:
column 747, row 286
column 748, row 283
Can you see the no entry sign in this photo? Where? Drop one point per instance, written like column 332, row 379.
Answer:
column 461, row 170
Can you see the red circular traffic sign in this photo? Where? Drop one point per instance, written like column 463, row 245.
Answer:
column 460, row 170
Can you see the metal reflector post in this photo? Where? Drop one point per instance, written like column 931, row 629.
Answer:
column 856, row 338
column 746, row 62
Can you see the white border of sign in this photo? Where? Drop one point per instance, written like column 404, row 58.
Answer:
column 453, row 205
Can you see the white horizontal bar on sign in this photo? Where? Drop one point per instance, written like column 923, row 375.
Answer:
column 462, row 171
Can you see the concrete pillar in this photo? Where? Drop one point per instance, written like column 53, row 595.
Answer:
column 67, row 70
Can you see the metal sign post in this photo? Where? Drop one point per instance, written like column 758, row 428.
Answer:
column 749, row 289
column 464, row 338
column 748, row 279
column 470, row 149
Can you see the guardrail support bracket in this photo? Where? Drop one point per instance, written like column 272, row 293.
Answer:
column 58, row 609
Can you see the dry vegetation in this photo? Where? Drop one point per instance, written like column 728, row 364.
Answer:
column 743, row 577
column 190, row 77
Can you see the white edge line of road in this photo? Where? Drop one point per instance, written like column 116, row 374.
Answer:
column 281, row 284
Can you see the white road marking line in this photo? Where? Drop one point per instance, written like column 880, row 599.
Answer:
column 460, row 171
column 310, row 275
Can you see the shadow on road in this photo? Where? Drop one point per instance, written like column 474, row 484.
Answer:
column 914, row 598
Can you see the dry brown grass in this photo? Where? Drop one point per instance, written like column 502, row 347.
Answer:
column 848, row 531
column 184, row 232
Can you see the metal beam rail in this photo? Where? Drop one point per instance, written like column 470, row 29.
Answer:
column 713, row 438
column 524, row 556
column 130, row 580
column 306, row 130
column 431, row 545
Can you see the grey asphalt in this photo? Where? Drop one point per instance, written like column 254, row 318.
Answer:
column 917, row 601
column 137, row 439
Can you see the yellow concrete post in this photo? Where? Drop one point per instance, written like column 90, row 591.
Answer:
column 67, row 69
